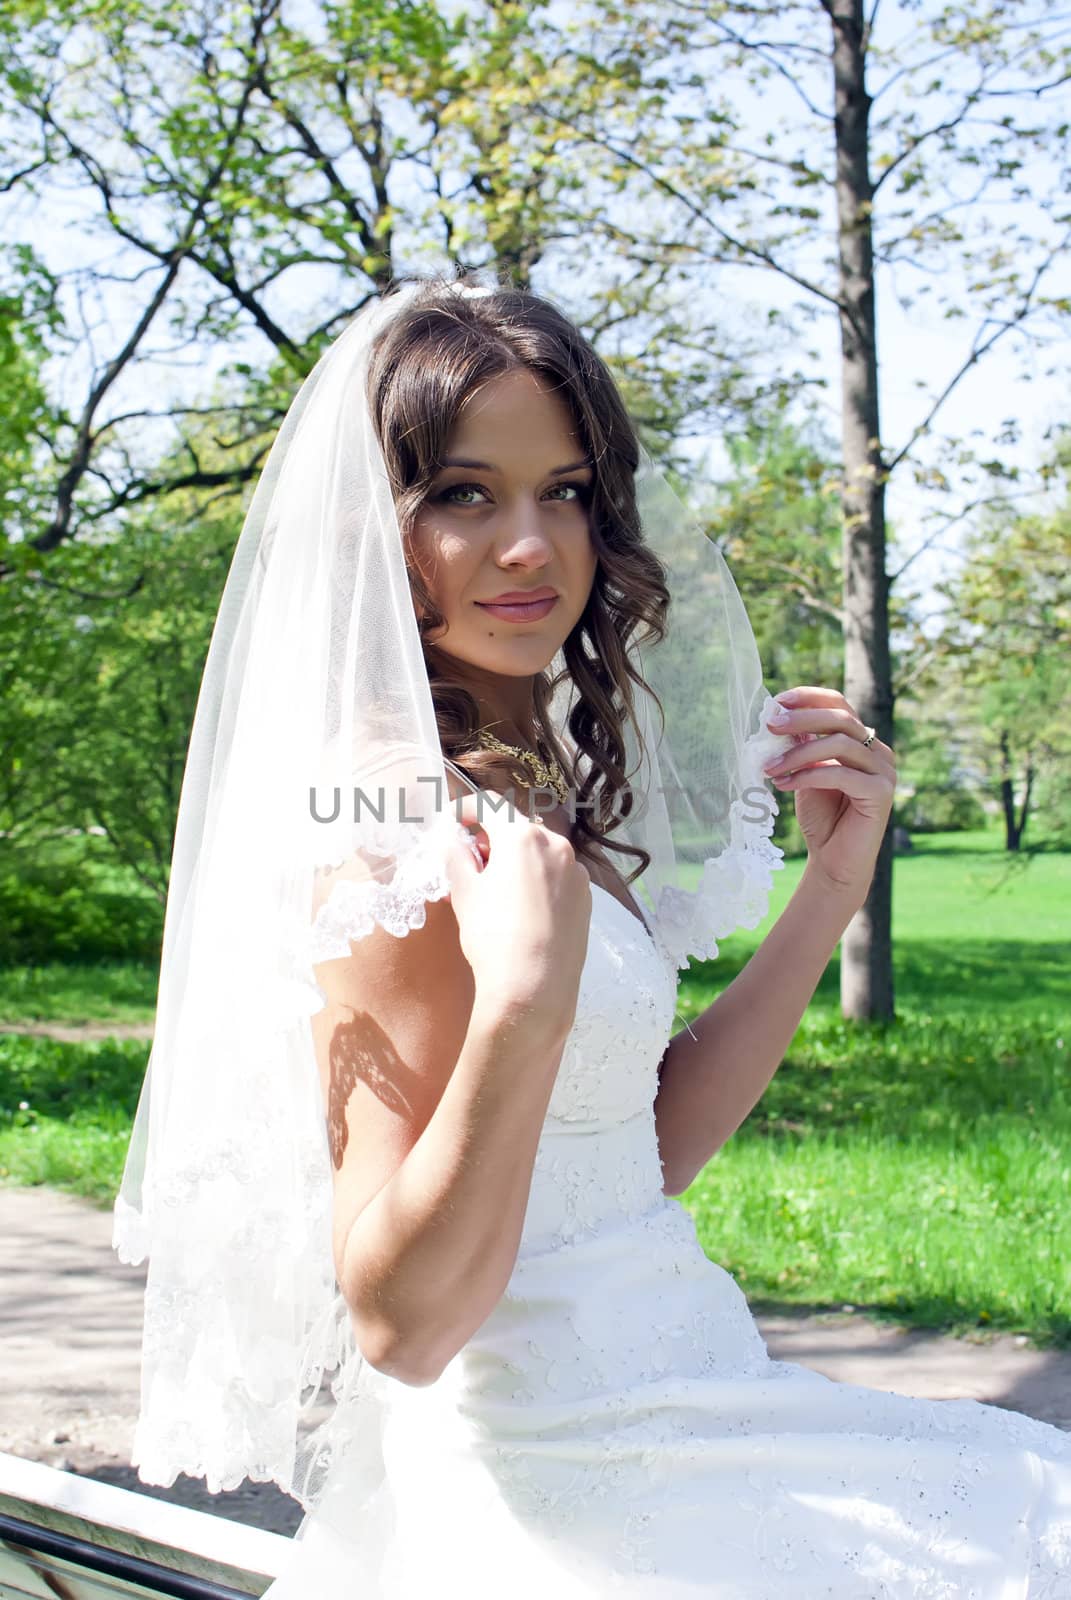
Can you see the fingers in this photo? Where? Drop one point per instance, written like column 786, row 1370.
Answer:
column 858, row 785
column 483, row 815
column 461, row 861
column 849, row 751
column 814, row 710
column 489, row 810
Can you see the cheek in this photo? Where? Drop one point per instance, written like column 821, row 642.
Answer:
column 588, row 560
column 443, row 561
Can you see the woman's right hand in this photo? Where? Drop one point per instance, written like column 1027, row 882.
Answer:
column 523, row 919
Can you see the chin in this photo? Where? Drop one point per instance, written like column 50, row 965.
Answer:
column 521, row 659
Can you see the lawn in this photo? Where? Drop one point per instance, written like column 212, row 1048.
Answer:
column 102, row 991
column 66, row 1111
column 920, row 1170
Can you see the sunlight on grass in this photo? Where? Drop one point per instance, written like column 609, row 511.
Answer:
column 921, row 1169
column 934, row 1229
column 106, row 991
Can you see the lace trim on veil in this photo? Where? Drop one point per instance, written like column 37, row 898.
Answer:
column 735, row 885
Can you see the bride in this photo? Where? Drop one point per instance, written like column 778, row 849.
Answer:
column 435, row 1148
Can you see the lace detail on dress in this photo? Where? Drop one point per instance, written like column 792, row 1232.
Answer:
column 608, row 1068
column 616, row 1426
column 354, row 907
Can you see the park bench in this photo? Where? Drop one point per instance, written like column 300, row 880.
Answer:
column 64, row 1537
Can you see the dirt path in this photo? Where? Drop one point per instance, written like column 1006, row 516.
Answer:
column 77, row 1032
column 71, row 1330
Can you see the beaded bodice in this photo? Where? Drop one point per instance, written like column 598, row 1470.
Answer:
column 598, row 1154
column 596, row 1202
column 616, row 1425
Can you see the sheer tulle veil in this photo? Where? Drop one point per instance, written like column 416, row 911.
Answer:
column 314, row 683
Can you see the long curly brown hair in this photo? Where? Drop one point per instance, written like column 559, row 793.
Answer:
column 424, row 365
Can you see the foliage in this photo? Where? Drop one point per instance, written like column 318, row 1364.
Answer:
column 776, row 517
column 241, row 165
column 245, row 167
column 257, row 174
column 944, row 809
column 46, row 914
column 103, row 668
column 1004, row 654
column 29, row 315
column 942, row 798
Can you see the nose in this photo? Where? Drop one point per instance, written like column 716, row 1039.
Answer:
column 522, row 540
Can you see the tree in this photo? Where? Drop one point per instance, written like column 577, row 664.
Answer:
column 101, row 660
column 874, row 160
column 245, row 169
column 29, row 317
column 775, row 515
column 1006, row 650
column 236, row 154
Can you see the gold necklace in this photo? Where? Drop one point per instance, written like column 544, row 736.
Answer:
column 546, row 774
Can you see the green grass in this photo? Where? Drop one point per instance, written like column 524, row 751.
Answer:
column 104, row 991
column 66, row 1111
column 925, row 1175
column 920, row 1170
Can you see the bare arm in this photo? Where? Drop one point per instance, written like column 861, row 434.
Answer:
column 428, row 1259
column 438, row 1054
column 708, row 1084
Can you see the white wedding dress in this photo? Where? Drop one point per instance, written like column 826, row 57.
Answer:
column 616, row 1427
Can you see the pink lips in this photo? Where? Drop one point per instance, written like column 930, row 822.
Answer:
column 519, row 610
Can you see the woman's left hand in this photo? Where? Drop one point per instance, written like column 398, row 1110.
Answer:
column 844, row 792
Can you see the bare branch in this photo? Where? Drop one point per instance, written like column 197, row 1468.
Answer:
column 59, row 527
column 1037, row 90
column 951, row 521
column 133, row 493
column 813, row 601
column 24, row 172
column 763, row 51
column 166, row 416
column 978, row 350
column 322, row 160
column 88, row 594
column 914, row 144
column 172, row 260
column 919, row 665
column 744, row 254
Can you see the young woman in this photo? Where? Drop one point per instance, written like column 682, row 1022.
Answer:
column 549, row 1388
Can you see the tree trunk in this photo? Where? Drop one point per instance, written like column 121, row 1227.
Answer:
column 1013, row 830
column 1024, row 809
column 866, row 975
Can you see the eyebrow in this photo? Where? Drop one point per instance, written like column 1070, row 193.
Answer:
column 487, row 466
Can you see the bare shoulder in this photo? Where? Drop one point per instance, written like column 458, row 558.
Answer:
column 386, row 1044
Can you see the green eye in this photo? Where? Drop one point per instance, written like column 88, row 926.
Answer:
column 583, row 492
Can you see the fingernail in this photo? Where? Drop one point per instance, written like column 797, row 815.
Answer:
column 779, row 718
column 787, row 697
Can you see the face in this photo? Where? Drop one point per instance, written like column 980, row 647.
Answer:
column 517, row 523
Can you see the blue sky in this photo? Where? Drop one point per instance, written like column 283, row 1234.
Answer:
column 920, row 347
